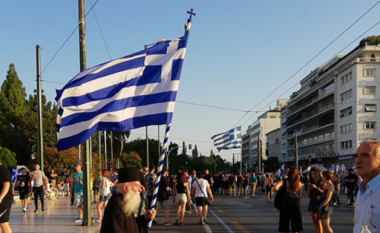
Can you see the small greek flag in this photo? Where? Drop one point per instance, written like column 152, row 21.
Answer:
column 123, row 94
column 228, row 140
column 281, row 171
column 15, row 173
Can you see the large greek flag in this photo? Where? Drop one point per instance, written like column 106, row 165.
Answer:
column 15, row 173
column 228, row 140
column 123, row 94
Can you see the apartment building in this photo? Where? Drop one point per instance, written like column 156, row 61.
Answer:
column 334, row 110
column 273, row 148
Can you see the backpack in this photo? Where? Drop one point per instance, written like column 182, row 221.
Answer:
column 281, row 195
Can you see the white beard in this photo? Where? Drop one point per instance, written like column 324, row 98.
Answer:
column 131, row 201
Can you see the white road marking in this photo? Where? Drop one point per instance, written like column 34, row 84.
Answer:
column 205, row 226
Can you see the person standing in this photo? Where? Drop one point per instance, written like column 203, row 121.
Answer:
column 163, row 195
column 201, row 192
column 181, row 196
column 269, row 187
column 114, row 180
column 6, row 198
column 367, row 205
column 290, row 212
column 22, row 183
column 351, row 180
column 76, row 187
column 325, row 209
column 253, row 180
column 104, row 193
column 39, row 179
column 97, row 183
column 314, row 192
column 149, row 179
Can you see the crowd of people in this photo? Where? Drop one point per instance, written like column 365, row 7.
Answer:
column 123, row 199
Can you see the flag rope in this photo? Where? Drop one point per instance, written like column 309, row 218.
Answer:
column 159, row 171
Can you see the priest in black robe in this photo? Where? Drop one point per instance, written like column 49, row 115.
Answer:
column 119, row 214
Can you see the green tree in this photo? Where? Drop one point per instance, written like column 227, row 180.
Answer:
column 139, row 146
column 13, row 131
column 8, row 158
column 271, row 164
column 132, row 159
column 184, row 149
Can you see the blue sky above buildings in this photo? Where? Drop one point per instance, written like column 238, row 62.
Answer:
column 238, row 51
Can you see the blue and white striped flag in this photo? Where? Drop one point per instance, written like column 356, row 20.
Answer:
column 123, row 94
column 281, row 171
column 15, row 173
column 228, row 140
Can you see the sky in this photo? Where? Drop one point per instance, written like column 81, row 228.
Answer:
column 238, row 52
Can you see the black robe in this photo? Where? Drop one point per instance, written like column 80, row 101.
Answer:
column 116, row 221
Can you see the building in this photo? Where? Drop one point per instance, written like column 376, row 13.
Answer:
column 274, row 143
column 334, row 110
column 268, row 121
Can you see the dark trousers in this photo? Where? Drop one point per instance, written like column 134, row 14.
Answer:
column 350, row 194
column 292, row 217
column 336, row 197
column 39, row 192
column 148, row 202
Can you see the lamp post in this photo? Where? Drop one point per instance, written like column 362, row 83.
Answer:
column 167, row 157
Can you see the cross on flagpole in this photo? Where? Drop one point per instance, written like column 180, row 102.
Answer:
column 191, row 14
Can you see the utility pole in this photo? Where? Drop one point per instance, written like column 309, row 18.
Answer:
column 100, row 149
column 295, row 150
column 233, row 161
column 259, row 152
column 39, row 109
column 111, row 148
column 241, row 163
column 105, row 150
column 86, row 155
column 147, row 147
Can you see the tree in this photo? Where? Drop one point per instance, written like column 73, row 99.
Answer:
column 195, row 151
column 272, row 164
column 13, row 132
column 132, row 159
column 139, row 146
column 184, row 149
column 8, row 158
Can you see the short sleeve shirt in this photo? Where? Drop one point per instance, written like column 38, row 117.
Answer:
column 23, row 179
column 39, row 179
column 78, row 182
column 203, row 185
column 149, row 179
column 5, row 176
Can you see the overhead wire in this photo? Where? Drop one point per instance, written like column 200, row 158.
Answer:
column 310, row 60
column 64, row 43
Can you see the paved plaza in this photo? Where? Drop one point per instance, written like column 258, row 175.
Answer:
column 227, row 214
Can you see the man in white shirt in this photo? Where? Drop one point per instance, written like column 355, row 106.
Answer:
column 367, row 205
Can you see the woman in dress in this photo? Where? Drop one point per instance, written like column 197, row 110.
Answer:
column 326, row 207
column 202, row 192
column 290, row 213
column 314, row 192
column 180, row 197
column 104, row 193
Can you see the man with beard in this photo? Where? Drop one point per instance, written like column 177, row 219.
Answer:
column 119, row 214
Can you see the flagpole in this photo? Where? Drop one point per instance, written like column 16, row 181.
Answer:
column 86, row 155
column 159, row 171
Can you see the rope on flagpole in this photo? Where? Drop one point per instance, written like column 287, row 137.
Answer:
column 159, row 171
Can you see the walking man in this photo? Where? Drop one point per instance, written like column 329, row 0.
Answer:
column 76, row 187
column 6, row 199
column 253, row 183
column 367, row 206
column 39, row 179
column 351, row 180
column 23, row 187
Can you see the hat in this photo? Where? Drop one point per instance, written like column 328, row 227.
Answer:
column 77, row 164
column 128, row 174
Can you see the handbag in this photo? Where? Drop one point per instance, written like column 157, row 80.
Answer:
column 208, row 201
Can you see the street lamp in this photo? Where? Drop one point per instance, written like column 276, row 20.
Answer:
column 167, row 157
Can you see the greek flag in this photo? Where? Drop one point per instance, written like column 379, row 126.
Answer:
column 228, row 140
column 123, row 94
column 15, row 173
column 281, row 171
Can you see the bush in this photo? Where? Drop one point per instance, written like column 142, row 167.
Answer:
column 8, row 158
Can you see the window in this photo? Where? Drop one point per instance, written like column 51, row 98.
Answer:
column 346, row 78
column 369, row 72
column 346, row 112
column 346, row 144
column 346, row 128
column 369, row 124
column 370, row 108
column 346, row 95
column 272, row 117
column 369, row 90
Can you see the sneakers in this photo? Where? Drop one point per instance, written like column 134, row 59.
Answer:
column 35, row 211
column 98, row 221
column 24, row 210
column 205, row 221
column 167, row 224
column 79, row 220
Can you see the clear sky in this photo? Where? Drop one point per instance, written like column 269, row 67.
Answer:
column 238, row 51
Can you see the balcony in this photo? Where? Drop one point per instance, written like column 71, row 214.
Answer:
column 312, row 114
column 309, row 102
